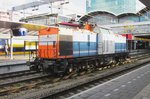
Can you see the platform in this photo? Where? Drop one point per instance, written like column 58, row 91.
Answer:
column 133, row 85
column 18, row 63
column 17, row 59
column 144, row 94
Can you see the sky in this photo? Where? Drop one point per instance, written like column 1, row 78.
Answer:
column 75, row 6
column 7, row 4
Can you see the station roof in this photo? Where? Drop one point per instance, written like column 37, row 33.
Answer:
column 15, row 25
column 138, row 29
column 146, row 3
column 127, row 14
column 39, row 16
column 6, row 26
column 146, row 37
column 91, row 14
column 5, row 34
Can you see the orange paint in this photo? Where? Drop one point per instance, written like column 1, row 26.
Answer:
column 88, row 27
column 48, row 50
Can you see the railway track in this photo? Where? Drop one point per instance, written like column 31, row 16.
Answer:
column 15, row 84
column 94, row 79
column 43, row 81
column 75, row 90
column 16, row 74
column 140, row 56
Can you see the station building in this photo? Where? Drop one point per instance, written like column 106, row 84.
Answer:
column 115, row 11
column 7, row 15
column 49, row 19
column 118, row 15
column 116, row 7
column 107, row 12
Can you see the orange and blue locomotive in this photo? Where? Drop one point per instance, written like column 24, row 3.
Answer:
column 67, row 49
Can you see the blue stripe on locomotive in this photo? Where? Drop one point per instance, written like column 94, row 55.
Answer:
column 120, row 47
column 84, row 49
column 87, row 48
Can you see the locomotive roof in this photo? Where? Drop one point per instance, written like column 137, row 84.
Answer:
column 69, row 24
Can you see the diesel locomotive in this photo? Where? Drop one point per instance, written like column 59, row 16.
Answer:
column 69, row 48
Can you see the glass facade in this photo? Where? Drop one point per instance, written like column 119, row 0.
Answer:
column 145, row 17
column 113, row 6
column 129, row 18
column 116, row 11
column 103, row 19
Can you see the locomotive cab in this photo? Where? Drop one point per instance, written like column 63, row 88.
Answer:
column 55, row 45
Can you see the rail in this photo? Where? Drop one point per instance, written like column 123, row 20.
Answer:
column 53, row 85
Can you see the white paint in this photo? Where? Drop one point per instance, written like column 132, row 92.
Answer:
column 138, row 77
column 134, row 79
column 84, row 36
column 47, row 39
column 107, row 95
column 51, row 37
column 77, row 52
column 86, row 91
column 65, row 31
column 106, row 42
column 123, row 85
column 116, row 89
column 129, row 82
